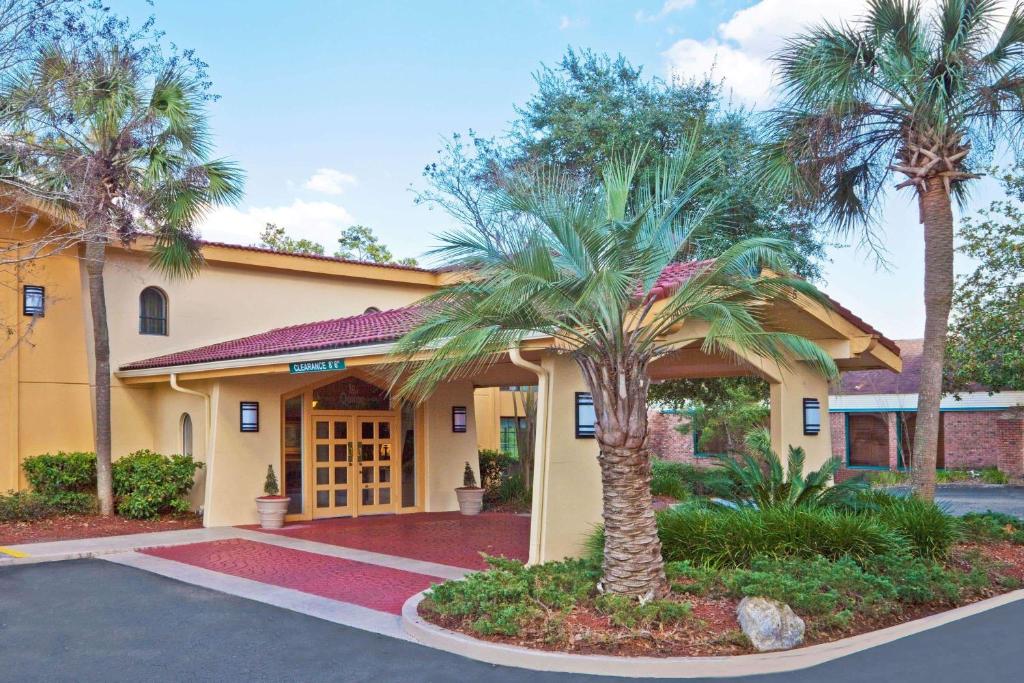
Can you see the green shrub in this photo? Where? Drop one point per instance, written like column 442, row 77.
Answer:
column 929, row 529
column 147, row 483
column 494, row 467
column 22, row 506
column 629, row 613
column 757, row 479
column 993, row 526
column 507, row 596
column 66, row 481
column 832, row 590
column 993, row 475
column 723, row 537
column 949, row 476
column 670, row 479
column 888, row 478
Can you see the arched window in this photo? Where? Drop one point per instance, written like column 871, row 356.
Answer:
column 371, row 309
column 186, row 434
column 152, row 311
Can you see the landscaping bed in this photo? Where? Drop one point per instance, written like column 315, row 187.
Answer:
column 68, row 527
column 843, row 573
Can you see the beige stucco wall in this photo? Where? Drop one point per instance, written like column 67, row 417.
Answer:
column 446, row 451
column 570, row 482
column 800, row 381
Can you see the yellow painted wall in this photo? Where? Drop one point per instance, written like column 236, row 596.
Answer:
column 447, row 452
column 787, row 419
column 43, row 366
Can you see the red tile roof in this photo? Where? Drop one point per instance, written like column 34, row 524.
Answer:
column 384, row 326
column 356, row 330
column 886, row 381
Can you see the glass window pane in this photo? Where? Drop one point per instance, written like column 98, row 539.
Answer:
column 340, row 475
column 408, row 451
column 323, row 430
column 385, row 475
column 367, row 497
column 323, row 476
column 341, row 430
column 384, row 496
column 366, row 430
column 323, row 499
column 340, row 452
column 293, row 453
column 385, row 451
column 323, row 452
column 367, row 475
column 341, row 498
column 366, row 452
column 351, row 393
column 383, row 430
column 908, row 425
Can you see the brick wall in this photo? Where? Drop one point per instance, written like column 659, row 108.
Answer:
column 664, row 440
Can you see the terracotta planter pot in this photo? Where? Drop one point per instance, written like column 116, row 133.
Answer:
column 272, row 510
column 471, row 500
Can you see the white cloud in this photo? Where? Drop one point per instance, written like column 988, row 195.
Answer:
column 669, row 7
column 318, row 221
column 566, row 22
column 329, row 181
column 742, row 47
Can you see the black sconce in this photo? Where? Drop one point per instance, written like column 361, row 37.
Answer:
column 586, row 418
column 812, row 416
column 250, row 416
column 459, row 419
column 33, row 300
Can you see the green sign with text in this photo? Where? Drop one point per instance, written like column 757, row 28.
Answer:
column 317, row 366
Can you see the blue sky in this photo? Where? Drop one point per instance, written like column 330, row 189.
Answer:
column 333, row 108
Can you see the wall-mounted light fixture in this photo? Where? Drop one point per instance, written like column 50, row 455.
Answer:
column 459, row 419
column 33, row 300
column 250, row 416
column 586, row 418
column 812, row 416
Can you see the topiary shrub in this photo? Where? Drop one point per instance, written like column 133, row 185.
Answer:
column 65, row 481
column 22, row 506
column 147, row 484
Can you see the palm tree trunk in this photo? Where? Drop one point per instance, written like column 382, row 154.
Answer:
column 937, row 216
column 633, row 564
column 95, row 258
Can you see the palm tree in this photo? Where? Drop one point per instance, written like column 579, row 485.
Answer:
column 581, row 272
column 901, row 91
column 118, row 145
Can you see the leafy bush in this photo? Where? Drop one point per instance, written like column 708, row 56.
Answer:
column 993, row 526
column 757, row 478
column 627, row 612
column 22, row 506
column 503, row 599
column 720, row 537
column 669, row 479
column 993, row 475
column 148, row 483
column 66, row 481
column 494, row 467
column 929, row 529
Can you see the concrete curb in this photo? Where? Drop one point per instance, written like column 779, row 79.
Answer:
column 676, row 667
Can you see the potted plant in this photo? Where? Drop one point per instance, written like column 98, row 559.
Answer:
column 471, row 496
column 271, row 506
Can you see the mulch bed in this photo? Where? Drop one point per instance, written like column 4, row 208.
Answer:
column 713, row 629
column 68, row 527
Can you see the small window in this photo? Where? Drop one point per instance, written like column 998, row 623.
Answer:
column 867, row 440
column 186, row 434
column 509, row 434
column 250, row 416
column 153, row 311
column 371, row 309
column 586, row 418
column 34, row 301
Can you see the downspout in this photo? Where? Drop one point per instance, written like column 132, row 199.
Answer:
column 540, row 457
column 208, row 420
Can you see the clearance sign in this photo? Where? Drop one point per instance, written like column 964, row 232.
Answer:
column 329, row 365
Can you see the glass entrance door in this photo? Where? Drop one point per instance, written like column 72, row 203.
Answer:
column 332, row 465
column 376, row 465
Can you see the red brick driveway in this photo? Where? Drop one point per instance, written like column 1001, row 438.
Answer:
column 440, row 538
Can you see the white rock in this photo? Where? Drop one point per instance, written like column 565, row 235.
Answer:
column 769, row 624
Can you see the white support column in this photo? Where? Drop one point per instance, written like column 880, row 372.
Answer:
column 567, row 477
